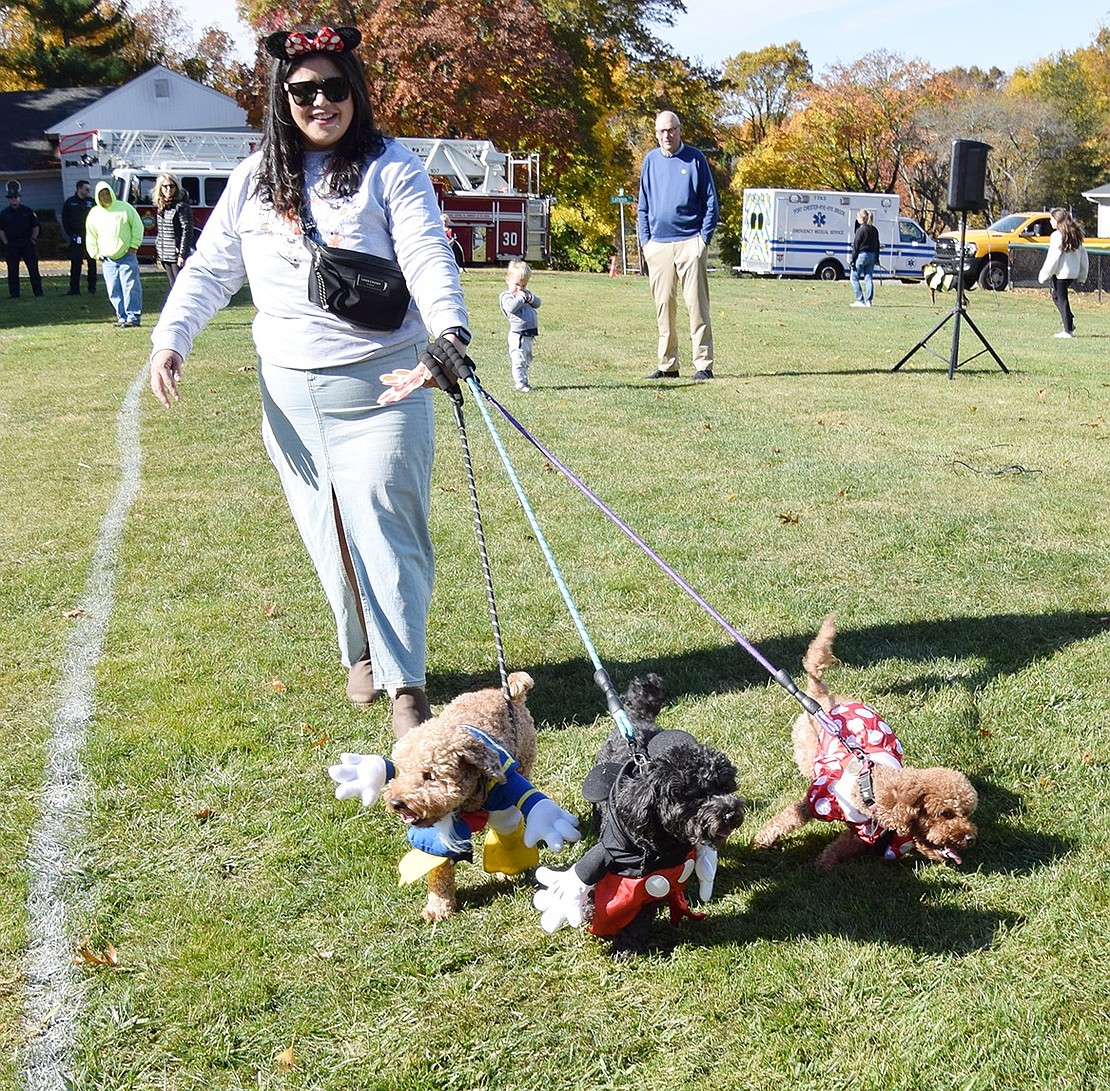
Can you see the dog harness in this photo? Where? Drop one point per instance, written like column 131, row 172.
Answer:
column 830, row 796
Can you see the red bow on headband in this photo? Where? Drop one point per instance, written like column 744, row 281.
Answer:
column 286, row 44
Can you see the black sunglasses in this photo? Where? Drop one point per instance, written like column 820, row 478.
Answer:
column 335, row 88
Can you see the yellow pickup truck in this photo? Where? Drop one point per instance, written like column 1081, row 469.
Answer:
column 985, row 257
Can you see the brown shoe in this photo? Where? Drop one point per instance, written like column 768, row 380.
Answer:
column 360, row 682
column 410, row 709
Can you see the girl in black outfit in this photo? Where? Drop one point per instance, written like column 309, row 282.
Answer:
column 865, row 256
column 175, row 224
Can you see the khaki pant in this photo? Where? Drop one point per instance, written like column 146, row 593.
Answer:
column 686, row 263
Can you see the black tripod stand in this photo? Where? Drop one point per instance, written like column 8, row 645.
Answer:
column 959, row 311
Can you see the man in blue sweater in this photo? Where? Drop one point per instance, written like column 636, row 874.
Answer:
column 676, row 215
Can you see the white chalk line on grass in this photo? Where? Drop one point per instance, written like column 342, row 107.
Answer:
column 53, row 989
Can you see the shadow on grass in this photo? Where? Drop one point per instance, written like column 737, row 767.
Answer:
column 998, row 645
column 864, row 900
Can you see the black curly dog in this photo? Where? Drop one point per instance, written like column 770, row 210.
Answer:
column 654, row 802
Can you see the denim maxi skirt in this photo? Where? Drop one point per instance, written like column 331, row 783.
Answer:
column 327, row 436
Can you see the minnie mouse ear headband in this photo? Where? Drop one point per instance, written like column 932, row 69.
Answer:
column 287, row 44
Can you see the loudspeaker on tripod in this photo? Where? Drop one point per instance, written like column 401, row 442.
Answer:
column 967, row 176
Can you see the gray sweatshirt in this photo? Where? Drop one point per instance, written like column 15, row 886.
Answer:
column 393, row 215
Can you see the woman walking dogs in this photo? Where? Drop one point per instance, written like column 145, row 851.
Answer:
column 1065, row 262
column 357, row 475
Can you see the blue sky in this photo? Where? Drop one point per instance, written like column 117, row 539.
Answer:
column 944, row 33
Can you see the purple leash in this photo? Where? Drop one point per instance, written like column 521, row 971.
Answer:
column 782, row 677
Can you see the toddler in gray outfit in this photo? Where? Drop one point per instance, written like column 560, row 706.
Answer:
column 519, row 305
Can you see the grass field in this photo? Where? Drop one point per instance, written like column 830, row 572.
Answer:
column 958, row 528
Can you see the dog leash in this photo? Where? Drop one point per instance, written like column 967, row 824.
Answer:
column 601, row 675
column 487, row 574
column 779, row 675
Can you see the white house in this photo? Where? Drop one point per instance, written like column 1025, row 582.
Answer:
column 1100, row 198
column 158, row 99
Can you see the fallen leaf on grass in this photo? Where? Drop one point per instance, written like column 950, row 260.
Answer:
column 278, row 685
column 271, row 610
column 286, row 1059
column 86, row 956
column 74, row 613
column 205, row 815
column 312, row 737
column 786, row 517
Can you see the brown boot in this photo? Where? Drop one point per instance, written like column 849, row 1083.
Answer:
column 360, row 682
column 410, row 709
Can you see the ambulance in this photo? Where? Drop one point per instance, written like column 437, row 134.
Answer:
column 808, row 233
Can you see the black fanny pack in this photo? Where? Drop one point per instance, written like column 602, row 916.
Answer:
column 363, row 289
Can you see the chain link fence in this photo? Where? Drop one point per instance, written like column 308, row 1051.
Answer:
column 1026, row 259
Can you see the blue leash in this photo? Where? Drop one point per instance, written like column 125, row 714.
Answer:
column 601, row 675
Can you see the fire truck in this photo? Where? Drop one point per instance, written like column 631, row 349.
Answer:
column 491, row 199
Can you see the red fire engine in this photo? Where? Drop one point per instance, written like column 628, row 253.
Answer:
column 491, row 199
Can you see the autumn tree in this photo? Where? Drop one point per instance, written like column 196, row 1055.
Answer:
column 854, row 130
column 975, row 78
column 67, row 43
column 162, row 36
column 759, row 90
column 1076, row 87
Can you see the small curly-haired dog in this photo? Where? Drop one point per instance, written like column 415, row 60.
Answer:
column 451, row 776
column 661, row 811
column 914, row 810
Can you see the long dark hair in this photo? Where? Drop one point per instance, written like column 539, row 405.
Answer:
column 1071, row 234
column 280, row 178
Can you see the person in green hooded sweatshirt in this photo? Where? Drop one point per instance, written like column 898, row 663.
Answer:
column 113, row 233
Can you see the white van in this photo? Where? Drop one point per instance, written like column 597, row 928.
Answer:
column 808, row 233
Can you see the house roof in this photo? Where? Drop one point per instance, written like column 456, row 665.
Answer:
column 158, row 98
column 1098, row 195
column 30, row 115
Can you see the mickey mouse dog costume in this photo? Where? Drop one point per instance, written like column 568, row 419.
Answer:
column 662, row 813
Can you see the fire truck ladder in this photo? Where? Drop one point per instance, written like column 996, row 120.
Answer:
column 147, row 147
column 474, row 166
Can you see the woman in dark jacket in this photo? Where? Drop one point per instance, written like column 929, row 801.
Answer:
column 865, row 256
column 175, row 224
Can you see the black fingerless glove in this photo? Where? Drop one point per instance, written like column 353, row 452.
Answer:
column 447, row 362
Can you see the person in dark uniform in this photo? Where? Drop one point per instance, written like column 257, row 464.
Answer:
column 19, row 227
column 74, row 212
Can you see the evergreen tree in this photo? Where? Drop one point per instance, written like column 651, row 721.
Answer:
column 73, row 43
